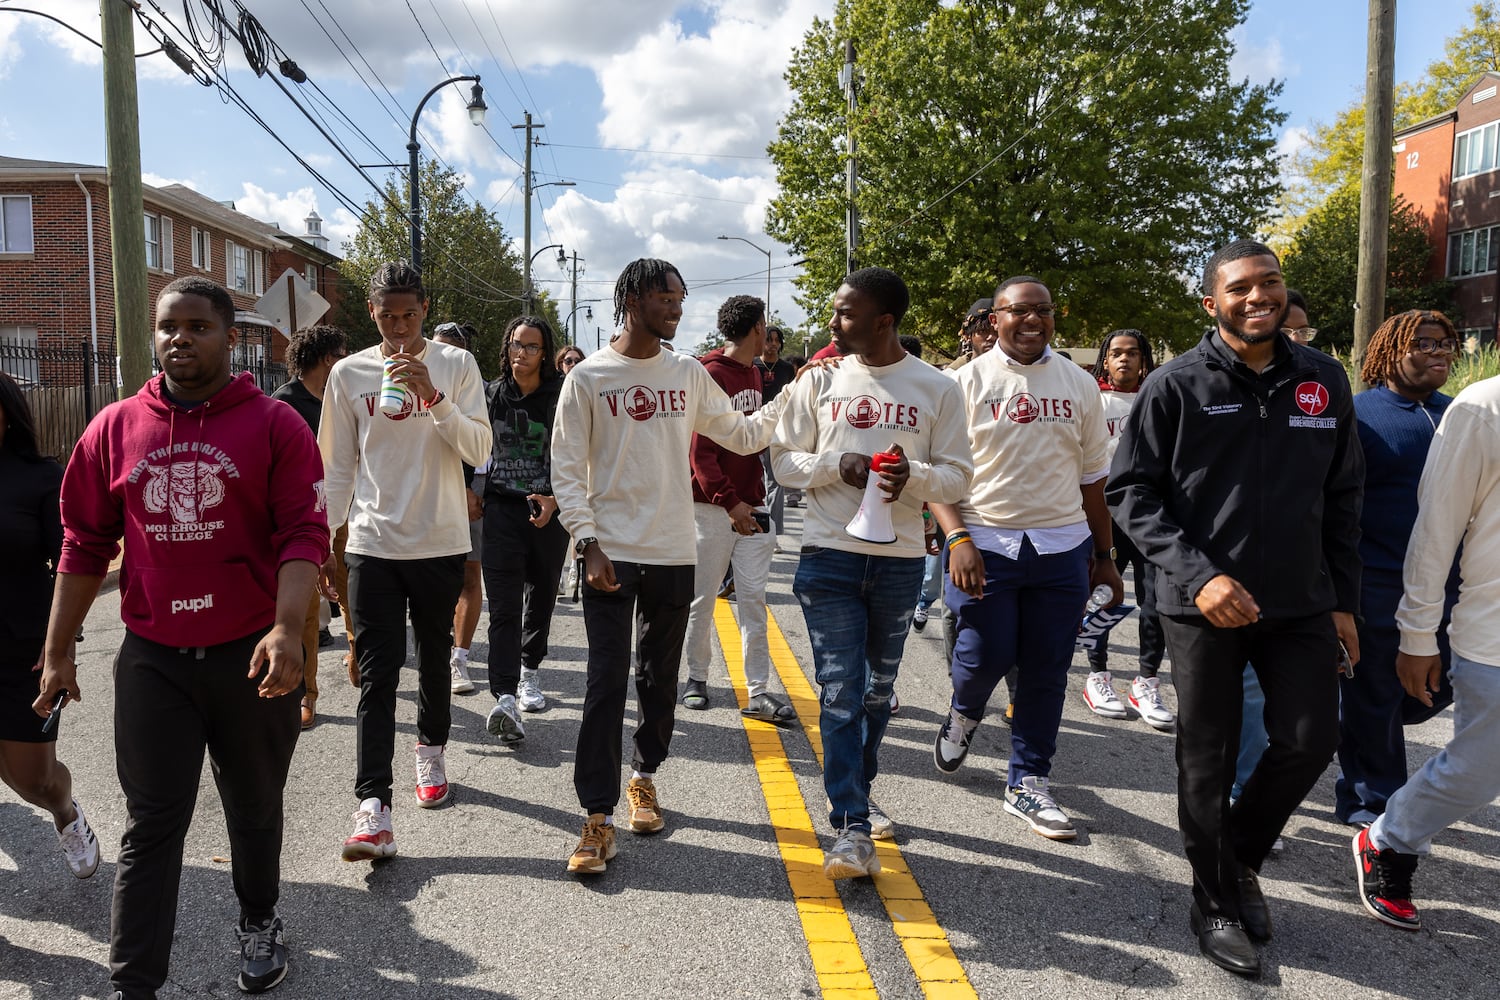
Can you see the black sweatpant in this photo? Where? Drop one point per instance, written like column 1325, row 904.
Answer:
column 521, row 564
column 170, row 706
column 656, row 600
column 382, row 591
column 1296, row 661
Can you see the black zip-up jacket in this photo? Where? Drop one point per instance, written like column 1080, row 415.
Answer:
column 1221, row 470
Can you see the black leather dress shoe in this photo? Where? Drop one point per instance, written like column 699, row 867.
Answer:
column 1254, row 913
column 1225, row 943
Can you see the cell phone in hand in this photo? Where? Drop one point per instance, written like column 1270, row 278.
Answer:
column 763, row 519
column 1346, row 665
column 534, row 505
column 57, row 707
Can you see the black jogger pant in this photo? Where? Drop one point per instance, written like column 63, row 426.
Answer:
column 521, row 565
column 170, row 706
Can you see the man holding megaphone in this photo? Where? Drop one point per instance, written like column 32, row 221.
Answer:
column 868, row 441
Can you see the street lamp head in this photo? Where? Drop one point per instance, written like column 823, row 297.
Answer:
column 562, row 258
column 476, row 105
column 588, row 312
column 721, row 237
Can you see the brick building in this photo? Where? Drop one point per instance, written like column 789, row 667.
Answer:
column 56, row 282
column 1448, row 167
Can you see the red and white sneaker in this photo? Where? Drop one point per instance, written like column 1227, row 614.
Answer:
column 432, row 777
column 372, row 838
column 1385, row 883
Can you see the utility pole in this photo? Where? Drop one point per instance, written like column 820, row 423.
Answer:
column 1375, row 177
column 127, row 219
column 572, row 320
column 849, row 80
column 526, row 293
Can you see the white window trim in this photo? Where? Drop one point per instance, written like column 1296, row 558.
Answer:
column 258, row 272
column 1451, row 270
column 147, row 219
column 31, row 214
column 1460, row 171
column 167, row 263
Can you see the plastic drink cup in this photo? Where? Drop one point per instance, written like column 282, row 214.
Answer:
column 392, row 391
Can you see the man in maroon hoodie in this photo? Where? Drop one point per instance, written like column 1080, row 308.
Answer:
column 217, row 491
column 729, row 494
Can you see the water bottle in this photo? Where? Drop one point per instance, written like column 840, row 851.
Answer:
column 1098, row 599
column 392, row 391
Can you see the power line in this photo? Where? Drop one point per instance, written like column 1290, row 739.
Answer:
column 659, row 152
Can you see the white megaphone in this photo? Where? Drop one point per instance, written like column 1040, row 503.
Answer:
column 872, row 522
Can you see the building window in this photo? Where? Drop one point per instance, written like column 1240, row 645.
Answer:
column 153, row 241
column 15, row 224
column 258, row 272
column 311, row 274
column 18, row 353
column 201, row 251
column 167, row 263
column 1474, row 252
column 1474, row 152
column 236, row 267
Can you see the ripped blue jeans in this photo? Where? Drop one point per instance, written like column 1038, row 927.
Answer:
column 858, row 609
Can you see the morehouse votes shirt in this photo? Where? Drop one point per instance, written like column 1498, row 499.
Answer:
column 620, row 451
column 210, row 501
column 863, row 409
column 399, row 480
column 1038, row 433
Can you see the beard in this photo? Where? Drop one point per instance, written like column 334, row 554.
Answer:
column 1245, row 337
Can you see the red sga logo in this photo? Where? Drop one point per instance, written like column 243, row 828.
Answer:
column 1312, row 398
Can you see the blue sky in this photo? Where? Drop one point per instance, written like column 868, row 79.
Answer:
column 659, row 110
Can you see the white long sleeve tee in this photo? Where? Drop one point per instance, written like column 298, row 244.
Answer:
column 1458, row 501
column 399, row 480
column 1038, row 434
column 862, row 409
column 620, row 447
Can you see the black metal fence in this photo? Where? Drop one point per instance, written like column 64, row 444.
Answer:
column 65, row 386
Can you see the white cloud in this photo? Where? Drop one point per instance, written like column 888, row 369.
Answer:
column 82, row 15
column 1259, row 60
column 1293, row 142
column 290, row 209
column 158, row 181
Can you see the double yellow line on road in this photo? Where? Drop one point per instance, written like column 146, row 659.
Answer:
column 831, row 943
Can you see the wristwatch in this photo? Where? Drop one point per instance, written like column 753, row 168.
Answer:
column 1109, row 553
column 582, row 545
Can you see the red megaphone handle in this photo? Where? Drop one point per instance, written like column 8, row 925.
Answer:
column 881, row 459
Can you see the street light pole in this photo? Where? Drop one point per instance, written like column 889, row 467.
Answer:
column 768, row 269
column 476, row 108
column 562, row 261
column 527, row 187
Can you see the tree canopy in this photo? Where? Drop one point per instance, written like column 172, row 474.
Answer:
column 1322, row 265
column 468, row 267
column 1101, row 146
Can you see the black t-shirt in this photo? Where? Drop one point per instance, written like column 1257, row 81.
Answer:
column 31, row 538
column 310, row 407
column 776, row 377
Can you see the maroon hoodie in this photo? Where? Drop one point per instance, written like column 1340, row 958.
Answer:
column 720, row 476
column 210, row 501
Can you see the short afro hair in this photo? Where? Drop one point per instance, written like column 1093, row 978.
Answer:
column 885, row 287
column 1013, row 281
column 195, row 284
column 307, row 348
column 739, row 315
column 1238, row 250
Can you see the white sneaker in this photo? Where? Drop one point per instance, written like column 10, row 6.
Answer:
column 852, row 856
column 529, row 694
column 462, row 684
column 505, row 720
column 1033, row 802
column 432, row 777
column 1145, row 698
column 79, row 846
column 373, row 837
column 1099, row 694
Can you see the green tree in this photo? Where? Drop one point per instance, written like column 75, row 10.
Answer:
column 1322, row 265
column 1336, row 153
column 468, row 267
column 1101, row 146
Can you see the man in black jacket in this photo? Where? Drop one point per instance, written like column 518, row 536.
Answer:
column 1223, row 443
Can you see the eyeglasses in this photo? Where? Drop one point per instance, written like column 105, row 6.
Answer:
column 530, row 350
column 1428, row 345
column 1305, row 334
column 1021, row 310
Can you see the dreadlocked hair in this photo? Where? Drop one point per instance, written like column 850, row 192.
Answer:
column 310, row 345
column 647, row 274
column 1147, row 361
column 550, row 354
column 396, row 277
column 1394, row 339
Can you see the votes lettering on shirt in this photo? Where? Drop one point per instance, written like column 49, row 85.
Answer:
column 867, row 412
column 643, row 402
column 1025, row 408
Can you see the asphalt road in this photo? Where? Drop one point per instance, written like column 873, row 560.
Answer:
column 478, row 904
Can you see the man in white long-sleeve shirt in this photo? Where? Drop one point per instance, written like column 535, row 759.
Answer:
column 622, row 481
column 397, row 479
column 857, row 595
column 1458, row 503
